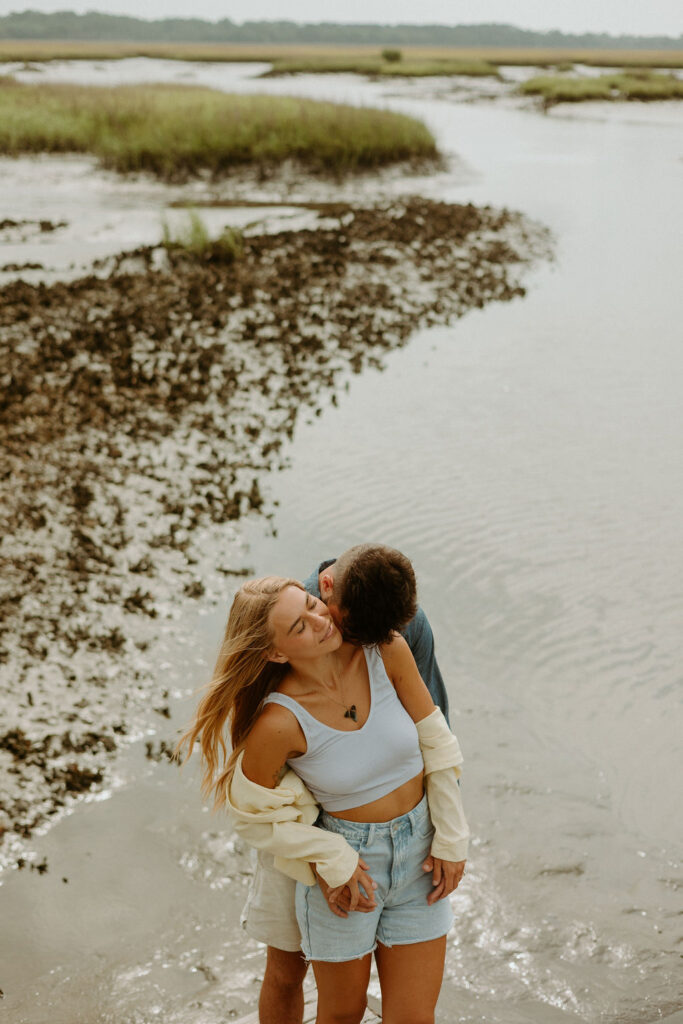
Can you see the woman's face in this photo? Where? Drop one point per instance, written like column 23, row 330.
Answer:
column 302, row 627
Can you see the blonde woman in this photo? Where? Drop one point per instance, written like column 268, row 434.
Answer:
column 346, row 720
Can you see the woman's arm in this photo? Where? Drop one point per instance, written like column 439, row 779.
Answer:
column 441, row 753
column 420, row 639
column 402, row 670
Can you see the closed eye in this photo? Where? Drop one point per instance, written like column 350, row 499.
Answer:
column 311, row 603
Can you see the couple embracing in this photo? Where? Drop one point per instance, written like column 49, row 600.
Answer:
column 343, row 774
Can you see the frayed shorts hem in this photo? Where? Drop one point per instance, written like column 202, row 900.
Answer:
column 412, row 942
column 338, row 959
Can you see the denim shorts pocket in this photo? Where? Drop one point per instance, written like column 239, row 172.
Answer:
column 425, row 830
column 357, row 841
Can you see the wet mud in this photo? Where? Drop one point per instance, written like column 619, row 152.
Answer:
column 9, row 228
column 138, row 415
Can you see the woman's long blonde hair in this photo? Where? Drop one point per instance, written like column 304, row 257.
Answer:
column 242, row 678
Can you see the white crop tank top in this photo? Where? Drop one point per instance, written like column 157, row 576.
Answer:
column 349, row 769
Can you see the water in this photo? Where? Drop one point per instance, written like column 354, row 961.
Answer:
column 528, row 460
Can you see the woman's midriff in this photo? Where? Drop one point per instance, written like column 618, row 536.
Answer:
column 393, row 805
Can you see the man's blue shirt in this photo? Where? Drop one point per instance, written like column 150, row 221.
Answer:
column 419, row 637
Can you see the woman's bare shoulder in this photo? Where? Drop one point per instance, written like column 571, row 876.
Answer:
column 396, row 652
column 275, row 724
column 275, row 737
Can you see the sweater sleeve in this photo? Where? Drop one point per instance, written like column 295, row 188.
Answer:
column 443, row 759
column 281, row 821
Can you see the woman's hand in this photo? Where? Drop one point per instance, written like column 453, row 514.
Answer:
column 446, row 876
column 350, row 896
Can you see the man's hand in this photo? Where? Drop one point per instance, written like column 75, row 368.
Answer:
column 350, row 896
column 446, row 875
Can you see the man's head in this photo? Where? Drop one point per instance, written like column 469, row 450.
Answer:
column 370, row 591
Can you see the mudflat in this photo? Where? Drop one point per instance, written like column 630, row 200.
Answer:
column 139, row 412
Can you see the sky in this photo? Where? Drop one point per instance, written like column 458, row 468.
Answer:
column 637, row 17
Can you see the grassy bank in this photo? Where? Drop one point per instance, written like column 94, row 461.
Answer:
column 38, row 51
column 628, row 85
column 176, row 131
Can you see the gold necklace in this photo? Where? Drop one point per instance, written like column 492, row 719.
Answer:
column 350, row 709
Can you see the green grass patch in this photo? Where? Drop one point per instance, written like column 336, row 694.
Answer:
column 193, row 237
column 178, row 131
column 377, row 66
column 555, row 89
column 643, row 84
column 646, row 86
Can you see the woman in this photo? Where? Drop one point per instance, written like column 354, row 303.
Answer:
column 343, row 718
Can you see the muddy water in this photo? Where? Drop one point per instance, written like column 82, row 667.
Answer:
column 528, row 460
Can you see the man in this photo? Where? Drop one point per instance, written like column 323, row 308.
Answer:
column 370, row 591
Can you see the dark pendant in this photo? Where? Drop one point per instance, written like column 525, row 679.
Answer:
column 351, row 713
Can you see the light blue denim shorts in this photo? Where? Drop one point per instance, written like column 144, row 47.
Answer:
column 394, row 852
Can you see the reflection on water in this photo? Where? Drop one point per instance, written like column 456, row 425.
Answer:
column 528, row 460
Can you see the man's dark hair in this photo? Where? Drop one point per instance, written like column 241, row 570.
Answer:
column 375, row 591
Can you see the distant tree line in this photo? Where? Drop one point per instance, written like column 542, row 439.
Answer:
column 67, row 26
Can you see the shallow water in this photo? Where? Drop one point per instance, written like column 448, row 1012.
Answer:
column 528, row 460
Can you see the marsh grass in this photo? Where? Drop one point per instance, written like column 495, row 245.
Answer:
column 642, row 85
column 39, row 51
column 193, row 237
column 553, row 89
column 47, row 50
column 629, row 84
column 556, row 58
column 380, row 67
column 176, row 131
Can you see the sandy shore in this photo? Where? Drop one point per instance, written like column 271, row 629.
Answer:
column 139, row 412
